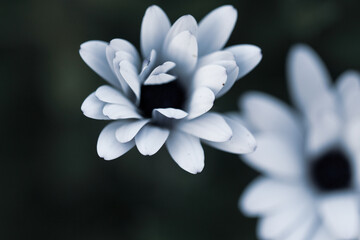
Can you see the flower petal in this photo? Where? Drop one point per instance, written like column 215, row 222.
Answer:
column 183, row 50
column 168, row 113
column 184, row 23
column 154, row 27
column 94, row 55
column 322, row 234
column 148, row 65
column 267, row 114
column 216, row 28
column 109, row 94
column 242, row 141
column 285, row 220
column 129, row 72
column 116, row 111
column 247, row 56
column 108, row 147
column 348, row 86
column 210, row 126
column 201, row 101
column 129, row 129
column 324, row 123
column 307, row 76
column 92, row 107
column 186, row 151
column 266, row 195
column 304, row 228
column 276, row 156
column 340, row 214
column 159, row 74
column 150, row 139
column 211, row 76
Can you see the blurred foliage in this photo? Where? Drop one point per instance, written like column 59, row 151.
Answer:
column 54, row 184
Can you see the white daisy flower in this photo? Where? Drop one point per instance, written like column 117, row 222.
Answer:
column 164, row 96
column 310, row 158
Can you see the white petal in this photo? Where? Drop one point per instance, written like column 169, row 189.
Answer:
column 148, row 65
column 307, row 75
column 109, row 94
column 276, row 156
column 232, row 74
column 266, row 195
column 324, row 123
column 201, row 101
column 216, row 28
column 322, row 234
column 108, row 147
column 211, row 76
column 348, row 86
column 159, row 74
column 154, row 28
column 340, row 214
column 150, row 139
column 247, row 56
column 129, row 72
column 267, row 114
column 285, row 220
column 183, row 50
column 304, row 228
column 184, row 23
column 125, row 46
column 225, row 59
column 94, row 55
column 210, row 126
column 92, row 107
column 169, row 113
column 186, row 151
column 116, row 111
column 242, row 141
column 129, row 129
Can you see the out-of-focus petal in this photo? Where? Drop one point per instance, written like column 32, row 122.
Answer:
column 215, row 29
column 307, row 76
column 340, row 214
column 267, row 114
column 266, row 195
column 285, row 220
column 276, row 156
column 186, row 151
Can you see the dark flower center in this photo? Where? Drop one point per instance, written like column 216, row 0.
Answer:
column 331, row 171
column 169, row 95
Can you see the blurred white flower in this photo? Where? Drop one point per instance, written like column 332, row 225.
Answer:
column 165, row 96
column 310, row 158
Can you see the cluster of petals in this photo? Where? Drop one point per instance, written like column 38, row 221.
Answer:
column 186, row 55
column 290, row 201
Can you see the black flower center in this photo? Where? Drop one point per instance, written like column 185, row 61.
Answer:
column 331, row 171
column 169, row 95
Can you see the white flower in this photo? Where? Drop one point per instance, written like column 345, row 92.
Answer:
column 310, row 158
column 165, row 96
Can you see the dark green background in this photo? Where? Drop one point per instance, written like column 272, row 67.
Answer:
column 53, row 184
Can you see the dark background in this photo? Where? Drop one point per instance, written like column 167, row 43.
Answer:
column 53, row 184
